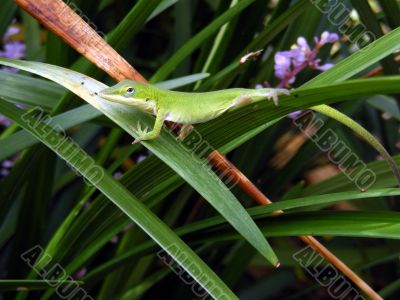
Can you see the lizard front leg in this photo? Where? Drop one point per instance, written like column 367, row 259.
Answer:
column 143, row 135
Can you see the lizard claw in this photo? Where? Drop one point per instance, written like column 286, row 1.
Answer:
column 141, row 133
column 138, row 126
column 135, row 141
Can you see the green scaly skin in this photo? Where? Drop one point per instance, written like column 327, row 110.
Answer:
column 180, row 107
column 345, row 120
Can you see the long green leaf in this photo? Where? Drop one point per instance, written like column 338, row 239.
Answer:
column 376, row 224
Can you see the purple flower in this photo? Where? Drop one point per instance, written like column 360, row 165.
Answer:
column 289, row 63
column 5, row 167
column 13, row 50
column 7, row 164
column 300, row 52
column 117, row 175
column 4, row 121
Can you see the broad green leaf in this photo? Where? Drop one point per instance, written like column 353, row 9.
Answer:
column 266, row 210
column 376, row 224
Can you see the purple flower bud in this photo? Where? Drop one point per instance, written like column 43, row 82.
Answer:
column 327, row 37
column 333, row 37
column 10, row 31
column 7, row 164
column 303, row 45
column 141, row 158
column 80, row 273
column 259, row 86
column 324, row 37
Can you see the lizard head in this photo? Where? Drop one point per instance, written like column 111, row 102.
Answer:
column 131, row 93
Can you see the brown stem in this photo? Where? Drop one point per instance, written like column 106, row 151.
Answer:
column 64, row 22
column 67, row 24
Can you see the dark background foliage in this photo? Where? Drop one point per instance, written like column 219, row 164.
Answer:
column 44, row 202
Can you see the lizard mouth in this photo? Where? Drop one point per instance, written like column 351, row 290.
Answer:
column 106, row 93
column 114, row 98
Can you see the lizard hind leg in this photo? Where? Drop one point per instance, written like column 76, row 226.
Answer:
column 273, row 94
column 185, row 130
column 242, row 100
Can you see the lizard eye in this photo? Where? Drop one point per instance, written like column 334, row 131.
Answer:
column 130, row 90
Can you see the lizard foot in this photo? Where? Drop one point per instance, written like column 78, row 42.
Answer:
column 273, row 94
column 142, row 133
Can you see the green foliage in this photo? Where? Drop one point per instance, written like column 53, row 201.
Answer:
column 60, row 202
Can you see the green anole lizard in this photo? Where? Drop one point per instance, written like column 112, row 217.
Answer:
column 192, row 108
column 180, row 107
